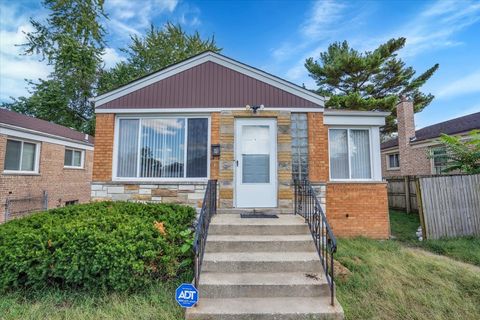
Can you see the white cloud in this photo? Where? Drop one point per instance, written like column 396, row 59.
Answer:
column 15, row 67
column 111, row 57
column 466, row 85
column 321, row 21
column 436, row 26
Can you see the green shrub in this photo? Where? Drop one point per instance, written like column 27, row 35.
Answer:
column 104, row 245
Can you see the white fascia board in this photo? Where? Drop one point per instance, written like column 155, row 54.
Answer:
column 28, row 134
column 216, row 58
column 357, row 120
column 340, row 112
column 196, row 110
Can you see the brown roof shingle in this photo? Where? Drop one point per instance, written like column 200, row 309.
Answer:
column 23, row 121
column 454, row 126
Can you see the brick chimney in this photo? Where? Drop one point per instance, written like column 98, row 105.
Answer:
column 406, row 132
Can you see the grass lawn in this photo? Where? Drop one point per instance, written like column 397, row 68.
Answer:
column 155, row 302
column 390, row 281
column 465, row 249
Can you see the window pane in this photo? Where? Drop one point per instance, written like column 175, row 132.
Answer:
column 127, row 148
column 255, row 154
column 12, row 156
column 162, row 148
column 28, row 157
column 338, row 154
column 77, row 158
column 256, row 168
column 68, row 157
column 197, row 148
column 360, row 154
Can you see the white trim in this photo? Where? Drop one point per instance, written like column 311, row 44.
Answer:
column 197, row 110
column 353, row 113
column 365, row 119
column 40, row 136
column 156, row 179
column 82, row 158
column 36, row 165
column 209, row 57
column 375, row 157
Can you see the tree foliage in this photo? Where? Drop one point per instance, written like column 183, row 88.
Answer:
column 373, row 80
column 71, row 41
column 462, row 154
column 159, row 48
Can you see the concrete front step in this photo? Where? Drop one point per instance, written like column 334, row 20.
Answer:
column 265, row 308
column 261, row 262
column 257, row 210
column 262, row 285
column 233, row 224
column 259, row 243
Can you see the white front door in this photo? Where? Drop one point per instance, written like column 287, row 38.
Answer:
column 255, row 163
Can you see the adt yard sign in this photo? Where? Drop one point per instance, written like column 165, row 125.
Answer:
column 186, row 295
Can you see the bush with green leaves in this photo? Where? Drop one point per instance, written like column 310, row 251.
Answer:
column 98, row 246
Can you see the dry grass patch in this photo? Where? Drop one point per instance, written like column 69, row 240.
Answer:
column 388, row 281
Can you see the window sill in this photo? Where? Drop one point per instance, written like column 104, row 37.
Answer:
column 356, row 181
column 20, row 173
column 157, row 181
column 73, row 168
column 393, row 169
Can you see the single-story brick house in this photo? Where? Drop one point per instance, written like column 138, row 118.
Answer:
column 419, row 152
column 163, row 136
column 38, row 156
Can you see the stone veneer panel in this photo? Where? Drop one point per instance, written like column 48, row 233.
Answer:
column 182, row 193
column 227, row 156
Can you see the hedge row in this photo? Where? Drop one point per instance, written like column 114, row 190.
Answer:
column 101, row 246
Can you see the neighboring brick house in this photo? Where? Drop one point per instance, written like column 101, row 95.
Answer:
column 37, row 156
column 420, row 152
column 163, row 136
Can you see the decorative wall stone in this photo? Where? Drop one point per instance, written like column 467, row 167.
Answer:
column 182, row 193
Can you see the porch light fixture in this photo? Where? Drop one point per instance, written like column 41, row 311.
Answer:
column 254, row 108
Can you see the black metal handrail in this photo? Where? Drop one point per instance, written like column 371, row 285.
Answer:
column 209, row 208
column 308, row 206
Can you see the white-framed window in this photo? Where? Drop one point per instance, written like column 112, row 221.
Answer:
column 74, row 158
column 350, row 154
column 393, row 161
column 162, row 148
column 439, row 160
column 21, row 156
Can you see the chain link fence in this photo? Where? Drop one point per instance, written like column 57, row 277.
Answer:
column 20, row 207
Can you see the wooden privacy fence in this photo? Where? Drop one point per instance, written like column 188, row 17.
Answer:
column 449, row 205
column 402, row 194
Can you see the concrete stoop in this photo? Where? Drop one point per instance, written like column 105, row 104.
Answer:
column 262, row 269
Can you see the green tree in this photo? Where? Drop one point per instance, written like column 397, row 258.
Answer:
column 71, row 41
column 373, row 80
column 462, row 154
column 159, row 48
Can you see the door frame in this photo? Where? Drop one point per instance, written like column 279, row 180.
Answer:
column 272, row 123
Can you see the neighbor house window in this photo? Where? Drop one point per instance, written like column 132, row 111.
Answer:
column 350, row 154
column 21, row 156
column 439, row 160
column 73, row 158
column 299, row 129
column 393, row 161
column 162, row 148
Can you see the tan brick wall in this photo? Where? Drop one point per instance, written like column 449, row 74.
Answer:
column 358, row 209
column 104, row 132
column 60, row 183
column 317, row 148
column 214, row 139
column 418, row 163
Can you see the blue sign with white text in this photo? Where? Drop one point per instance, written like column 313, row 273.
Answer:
column 186, row 295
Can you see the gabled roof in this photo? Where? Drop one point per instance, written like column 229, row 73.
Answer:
column 208, row 80
column 14, row 119
column 454, row 126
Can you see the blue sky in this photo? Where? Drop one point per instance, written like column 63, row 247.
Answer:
column 277, row 36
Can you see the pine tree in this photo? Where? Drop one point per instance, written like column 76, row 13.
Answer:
column 374, row 80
